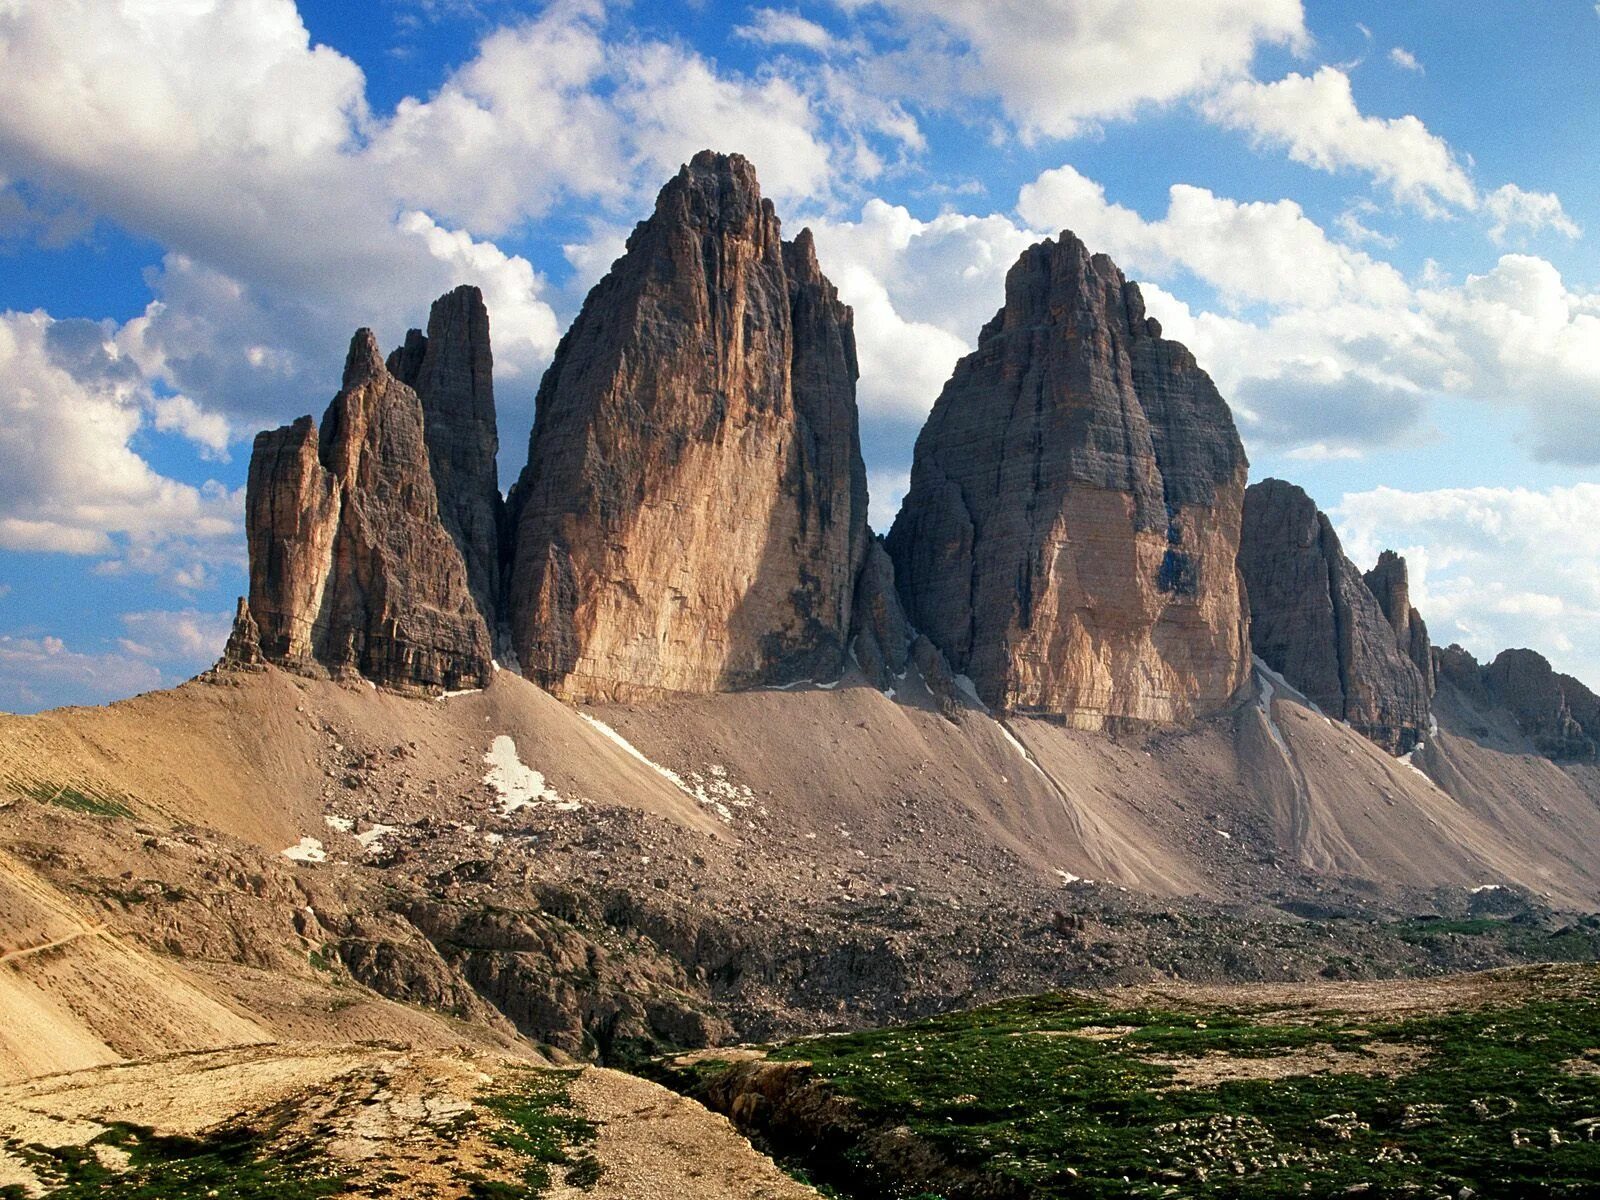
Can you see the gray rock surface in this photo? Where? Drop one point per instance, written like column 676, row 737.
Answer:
column 1390, row 582
column 1314, row 620
column 1070, row 534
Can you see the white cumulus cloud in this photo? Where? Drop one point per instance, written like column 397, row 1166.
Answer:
column 1315, row 120
column 1493, row 567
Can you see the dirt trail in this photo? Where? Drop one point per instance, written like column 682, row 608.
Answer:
column 26, row 951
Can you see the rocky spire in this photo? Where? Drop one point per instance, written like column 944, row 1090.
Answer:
column 1070, row 535
column 351, row 570
column 1314, row 620
column 1390, row 582
column 451, row 369
column 693, row 512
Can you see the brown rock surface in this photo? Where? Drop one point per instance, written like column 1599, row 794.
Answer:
column 452, row 371
column 1559, row 714
column 244, row 640
column 1314, row 620
column 351, row 570
column 1390, row 582
column 1070, row 535
column 693, row 513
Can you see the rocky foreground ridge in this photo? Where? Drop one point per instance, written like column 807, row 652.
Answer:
column 1077, row 543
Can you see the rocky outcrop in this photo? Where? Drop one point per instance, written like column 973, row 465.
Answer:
column 1557, row 712
column 882, row 639
column 1454, row 667
column 1390, row 582
column 351, row 570
column 451, row 369
column 244, row 640
column 1070, row 534
column 1314, row 620
column 693, row 514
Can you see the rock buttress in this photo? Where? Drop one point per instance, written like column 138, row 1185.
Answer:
column 451, row 368
column 1314, row 620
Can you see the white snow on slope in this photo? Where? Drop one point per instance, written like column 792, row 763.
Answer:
column 519, row 785
column 714, row 789
column 1264, row 693
column 309, row 851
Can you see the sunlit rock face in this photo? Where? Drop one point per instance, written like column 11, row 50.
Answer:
column 1070, row 536
column 693, row 514
column 352, row 572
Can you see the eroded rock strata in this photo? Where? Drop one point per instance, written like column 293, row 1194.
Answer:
column 1390, row 582
column 1070, row 534
column 693, row 514
column 1556, row 712
column 451, row 368
column 352, row 572
column 1314, row 620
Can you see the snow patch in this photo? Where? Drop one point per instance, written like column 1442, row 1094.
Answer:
column 308, row 851
column 443, row 696
column 1027, row 755
column 372, row 839
column 969, row 689
column 1264, row 693
column 340, row 824
column 519, row 785
column 1488, row 887
column 1068, row 877
column 714, row 789
column 1283, row 685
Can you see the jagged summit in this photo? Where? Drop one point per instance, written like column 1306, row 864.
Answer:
column 451, row 368
column 1070, row 533
column 352, row 572
column 1315, row 620
column 693, row 512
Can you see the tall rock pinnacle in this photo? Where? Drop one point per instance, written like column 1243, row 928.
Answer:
column 452, row 371
column 693, row 513
column 351, row 570
column 1314, row 620
column 1070, row 535
column 1390, row 582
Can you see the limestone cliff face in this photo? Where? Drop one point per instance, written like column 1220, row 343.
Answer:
column 1314, row 620
column 451, row 368
column 351, row 570
column 1070, row 536
column 1390, row 582
column 693, row 513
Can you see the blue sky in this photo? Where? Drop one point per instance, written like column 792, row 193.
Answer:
column 1374, row 224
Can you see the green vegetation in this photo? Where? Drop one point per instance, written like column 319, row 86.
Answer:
column 1064, row 1096
column 539, row 1123
column 93, row 801
column 233, row 1164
